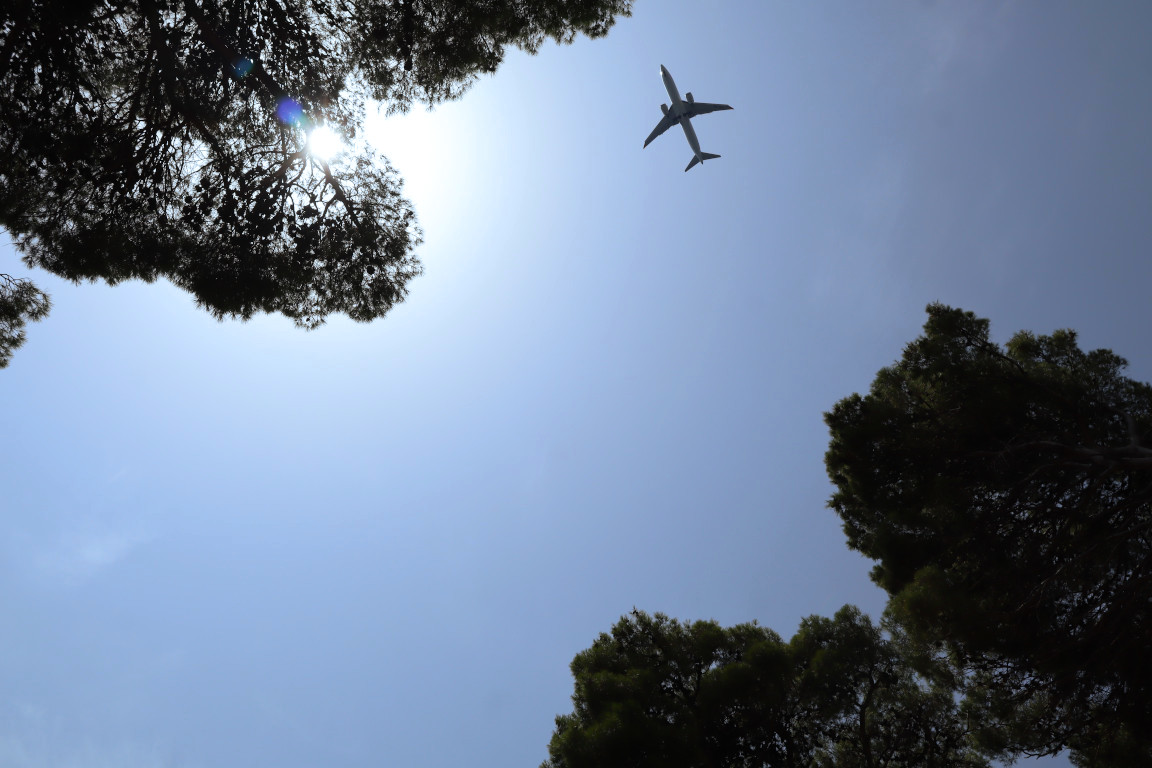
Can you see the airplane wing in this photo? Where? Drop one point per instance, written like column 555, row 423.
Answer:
column 665, row 123
column 701, row 108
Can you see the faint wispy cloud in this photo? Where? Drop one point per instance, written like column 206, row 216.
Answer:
column 957, row 34
column 75, row 558
column 33, row 748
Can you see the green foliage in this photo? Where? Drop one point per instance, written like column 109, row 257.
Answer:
column 659, row 692
column 20, row 301
column 167, row 138
column 1007, row 497
column 871, row 707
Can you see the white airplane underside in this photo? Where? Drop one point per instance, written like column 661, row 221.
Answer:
column 682, row 111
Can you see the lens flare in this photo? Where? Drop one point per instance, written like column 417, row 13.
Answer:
column 242, row 66
column 289, row 111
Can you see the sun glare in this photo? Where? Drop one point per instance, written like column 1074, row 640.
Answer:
column 324, row 143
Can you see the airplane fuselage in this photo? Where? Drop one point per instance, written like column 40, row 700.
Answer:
column 677, row 109
column 670, row 86
column 681, row 112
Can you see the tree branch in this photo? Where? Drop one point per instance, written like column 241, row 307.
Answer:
column 230, row 56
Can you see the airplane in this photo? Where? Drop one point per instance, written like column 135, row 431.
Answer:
column 681, row 112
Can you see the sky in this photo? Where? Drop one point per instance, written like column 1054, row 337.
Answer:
column 243, row 544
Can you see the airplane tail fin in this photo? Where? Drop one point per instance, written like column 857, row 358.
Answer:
column 696, row 159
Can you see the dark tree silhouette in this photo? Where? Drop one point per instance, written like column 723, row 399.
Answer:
column 168, row 138
column 658, row 692
column 1007, row 495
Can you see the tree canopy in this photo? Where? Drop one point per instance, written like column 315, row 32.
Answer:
column 1006, row 494
column 169, row 138
column 660, row 692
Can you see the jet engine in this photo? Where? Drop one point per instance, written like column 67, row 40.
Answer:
column 664, row 108
column 688, row 96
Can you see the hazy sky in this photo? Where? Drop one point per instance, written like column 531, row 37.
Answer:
column 381, row 545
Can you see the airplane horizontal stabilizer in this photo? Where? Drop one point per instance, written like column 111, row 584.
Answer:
column 696, row 159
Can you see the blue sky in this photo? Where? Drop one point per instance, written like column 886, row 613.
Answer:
column 381, row 545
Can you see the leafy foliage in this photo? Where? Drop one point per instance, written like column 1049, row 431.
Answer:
column 872, row 707
column 20, row 301
column 168, row 138
column 658, row 692
column 1007, row 495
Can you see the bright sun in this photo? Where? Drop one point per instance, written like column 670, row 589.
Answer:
column 324, row 143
